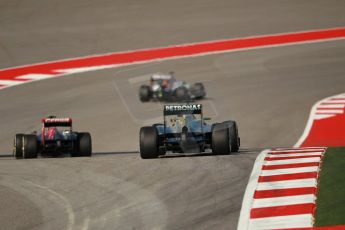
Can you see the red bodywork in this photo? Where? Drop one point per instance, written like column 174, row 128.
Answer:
column 51, row 124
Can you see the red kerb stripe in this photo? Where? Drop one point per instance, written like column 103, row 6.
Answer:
column 287, row 210
column 294, row 176
column 261, row 194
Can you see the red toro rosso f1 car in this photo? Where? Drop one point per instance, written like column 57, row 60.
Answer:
column 185, row 130
column 56, row 138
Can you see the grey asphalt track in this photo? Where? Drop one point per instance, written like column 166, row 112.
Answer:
column 268, row 91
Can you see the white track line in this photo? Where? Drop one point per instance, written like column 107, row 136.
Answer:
column 289, row 171
column 86, row 69
column 282, row 201
column 287, row 184
column 35, row 77
column 279, row 222
column 11, row 82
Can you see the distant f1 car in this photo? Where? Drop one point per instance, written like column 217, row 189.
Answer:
column 164, row 87
column 56, row 138
column 185, row 130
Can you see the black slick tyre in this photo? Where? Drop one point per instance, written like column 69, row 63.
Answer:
column 221, row 142
column 199, row 90
column 30, row 146
column 18, row 146
column 84, row 145
column 148, row 138
column 233, row 132
column 144, row 93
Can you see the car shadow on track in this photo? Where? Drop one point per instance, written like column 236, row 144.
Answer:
column 115, row 153
column 6, row 156
column 168, row 155
column 205, row 154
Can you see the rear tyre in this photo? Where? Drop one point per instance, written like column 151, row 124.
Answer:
column 199, row 90
column 30, row 146
column 233, row 132
column 144, row 93
column 148, row 138
column 18, row 146
column 84, row 145
column 221, row 142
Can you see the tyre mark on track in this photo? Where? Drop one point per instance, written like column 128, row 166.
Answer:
column 67, row 204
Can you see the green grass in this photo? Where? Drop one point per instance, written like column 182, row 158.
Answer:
column 331, row 195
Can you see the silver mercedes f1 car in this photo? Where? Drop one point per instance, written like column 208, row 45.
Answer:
column 186, row 130
column 164, row 87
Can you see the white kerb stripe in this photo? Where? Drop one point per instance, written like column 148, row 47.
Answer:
column 282, row 201
column 307, row 151
column 280, row 222
column 285, row 184
column 329, row 111
column 293, row 161
column 333, row 106
column 86, row 69
column 297, row 150
column 295, row 154
column 35, row 76
column 332, row 102
column 10, row 82
column 322, row 116
column 339, row 96
column 289, row 171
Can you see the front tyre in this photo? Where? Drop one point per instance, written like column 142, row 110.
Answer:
column 149, row 143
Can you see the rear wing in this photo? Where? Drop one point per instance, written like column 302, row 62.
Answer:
column 182, row 109
column 53, row 122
